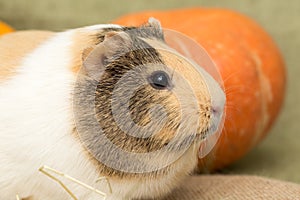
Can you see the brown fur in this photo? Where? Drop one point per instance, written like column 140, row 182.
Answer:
column 15, row 46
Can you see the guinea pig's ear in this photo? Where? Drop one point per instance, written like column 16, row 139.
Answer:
column 155, row 23
column 96, row 58
column 157, row 31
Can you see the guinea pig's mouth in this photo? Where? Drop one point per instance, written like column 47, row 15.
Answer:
column 212, row 129
column 195, row 138
column 189, row 140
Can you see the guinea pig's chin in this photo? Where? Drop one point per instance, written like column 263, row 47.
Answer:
column 192, row 139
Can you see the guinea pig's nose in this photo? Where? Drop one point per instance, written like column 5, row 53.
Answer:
column 216, row 110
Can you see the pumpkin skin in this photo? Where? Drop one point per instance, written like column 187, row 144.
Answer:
column 4, row 28
column 250, row 65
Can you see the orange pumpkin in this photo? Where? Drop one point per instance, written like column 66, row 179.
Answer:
column 250, row 64
column 4, row 28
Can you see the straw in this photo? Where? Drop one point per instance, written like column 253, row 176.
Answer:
column 48, row 170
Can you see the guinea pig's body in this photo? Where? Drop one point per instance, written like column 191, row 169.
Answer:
column 38, row 71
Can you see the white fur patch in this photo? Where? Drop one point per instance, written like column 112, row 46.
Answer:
column 36, row 124
column 101, row 26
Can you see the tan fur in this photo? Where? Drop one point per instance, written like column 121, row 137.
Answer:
column 84, row 43
column 196, row 81
column 28, row 198
column 188, row 71
column 15, row 46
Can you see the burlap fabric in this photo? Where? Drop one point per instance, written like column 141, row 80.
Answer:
column 217, row 187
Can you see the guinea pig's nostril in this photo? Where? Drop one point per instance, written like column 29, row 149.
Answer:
column 216, row 110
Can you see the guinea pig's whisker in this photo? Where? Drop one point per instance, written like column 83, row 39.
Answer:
column 229, row 117
column 225, row 131
column 173, row 73
column 231, row 75
column 239, row 89
column 230, row 105
column 232, row 124
column 234, row 88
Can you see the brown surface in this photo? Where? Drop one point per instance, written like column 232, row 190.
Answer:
column 235, row 187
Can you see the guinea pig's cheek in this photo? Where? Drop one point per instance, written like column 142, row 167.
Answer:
column 174, row 116
column 197, row 100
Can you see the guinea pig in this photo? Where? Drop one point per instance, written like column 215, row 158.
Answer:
column 101, row 101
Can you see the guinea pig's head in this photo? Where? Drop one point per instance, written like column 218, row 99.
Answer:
column 144, row 97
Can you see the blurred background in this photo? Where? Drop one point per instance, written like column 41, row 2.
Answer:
column 278, row 156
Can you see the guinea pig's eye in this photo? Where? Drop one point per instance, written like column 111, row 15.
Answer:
column 159, row 80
